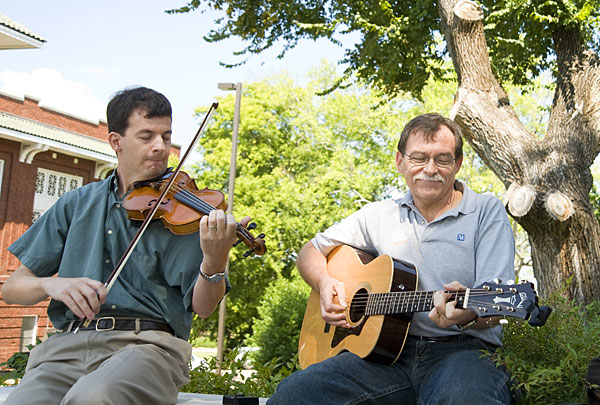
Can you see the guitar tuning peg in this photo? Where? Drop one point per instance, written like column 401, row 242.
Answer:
column 251, row 225
column 497, row 281
column 510, row 282
column 248, row 253
column 237, row 242
column 261, row 236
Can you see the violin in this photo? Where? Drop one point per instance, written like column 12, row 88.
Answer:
column 183, row 206
column 185, row 193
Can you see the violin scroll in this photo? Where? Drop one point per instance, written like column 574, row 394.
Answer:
column 256, row 245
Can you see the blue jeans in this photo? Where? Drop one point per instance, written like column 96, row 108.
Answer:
column 426, row 373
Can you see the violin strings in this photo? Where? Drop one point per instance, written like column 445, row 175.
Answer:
column 194, row 201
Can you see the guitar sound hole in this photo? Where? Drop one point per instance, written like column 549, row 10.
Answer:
column 358, row 305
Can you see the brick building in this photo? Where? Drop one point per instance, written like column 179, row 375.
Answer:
column 12, row 36
column 43, row 154
column 15, row 36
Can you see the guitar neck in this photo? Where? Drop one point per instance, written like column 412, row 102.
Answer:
column 405, row 302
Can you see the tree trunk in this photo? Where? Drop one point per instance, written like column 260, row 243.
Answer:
column 554, row 170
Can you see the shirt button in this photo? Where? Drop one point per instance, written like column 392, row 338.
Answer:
column 118, row 205
column 113, row 306
column 110, row 231
column 107, row 261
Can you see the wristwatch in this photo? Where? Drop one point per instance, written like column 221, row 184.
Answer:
column 215, row 278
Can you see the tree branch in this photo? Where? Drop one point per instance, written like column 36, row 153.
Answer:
column 481, row 105
column 575, row 117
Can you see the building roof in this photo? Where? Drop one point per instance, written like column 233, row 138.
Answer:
column 16, row 36
column 30, row 131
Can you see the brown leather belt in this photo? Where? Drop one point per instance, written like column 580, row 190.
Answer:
column 108, row 323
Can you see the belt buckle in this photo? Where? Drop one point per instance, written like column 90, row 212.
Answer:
column 103, row 318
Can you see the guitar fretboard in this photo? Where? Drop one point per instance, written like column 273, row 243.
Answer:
column 404, row 302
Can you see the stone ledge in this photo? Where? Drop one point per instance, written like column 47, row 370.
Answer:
column 184, row 398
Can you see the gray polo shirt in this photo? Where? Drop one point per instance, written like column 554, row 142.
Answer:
column 472, row 244
column 85, row 233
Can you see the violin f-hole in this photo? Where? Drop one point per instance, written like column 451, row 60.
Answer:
column 163, row 202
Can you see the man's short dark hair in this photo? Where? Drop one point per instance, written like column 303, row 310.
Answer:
column 126, row 101
column 429, row 125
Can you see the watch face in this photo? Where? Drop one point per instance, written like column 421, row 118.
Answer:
column 215, row 278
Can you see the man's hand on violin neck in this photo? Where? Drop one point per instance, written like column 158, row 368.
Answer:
column 83, row 296
column 217, row 236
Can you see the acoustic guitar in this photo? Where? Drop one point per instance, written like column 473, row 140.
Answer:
column 381, row 299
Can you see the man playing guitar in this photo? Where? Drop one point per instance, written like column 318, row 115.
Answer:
column 457, row 239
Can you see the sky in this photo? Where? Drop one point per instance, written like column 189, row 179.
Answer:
column 95, row 48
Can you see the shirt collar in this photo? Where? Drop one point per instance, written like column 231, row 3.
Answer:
column 465, row 206
column 113, row 183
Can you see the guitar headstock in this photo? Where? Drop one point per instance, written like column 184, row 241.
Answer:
column 515, row 300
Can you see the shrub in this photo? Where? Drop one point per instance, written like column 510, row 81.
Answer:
column 260, row 382
column 277, row 329
column 548, row 364
column 13, row 369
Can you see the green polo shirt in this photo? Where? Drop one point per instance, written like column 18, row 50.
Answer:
column 85, row 233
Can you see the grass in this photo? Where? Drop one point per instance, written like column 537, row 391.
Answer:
column 203, row 341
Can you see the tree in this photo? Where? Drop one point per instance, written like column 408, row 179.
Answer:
column 300, row 167
column 547, row 175
column 558, row 216
column 277, row 329
column 306, row 161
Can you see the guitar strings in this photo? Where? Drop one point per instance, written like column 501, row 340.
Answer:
column 481, row 304
column 412, row 294
column 414, row 299
column 407, row 296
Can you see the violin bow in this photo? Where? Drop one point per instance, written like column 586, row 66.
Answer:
column 136, row 238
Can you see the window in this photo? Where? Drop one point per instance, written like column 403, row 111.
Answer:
column 49, row 187
column 28, row 332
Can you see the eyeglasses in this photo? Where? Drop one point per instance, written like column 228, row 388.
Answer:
column 439, row 161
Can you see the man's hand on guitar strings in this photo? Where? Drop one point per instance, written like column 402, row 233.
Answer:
column 444, row 313
column 333, row 302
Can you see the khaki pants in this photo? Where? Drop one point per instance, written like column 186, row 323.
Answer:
column 106, row 367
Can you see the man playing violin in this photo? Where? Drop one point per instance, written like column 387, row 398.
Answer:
column 135, row 349
column 455, row 238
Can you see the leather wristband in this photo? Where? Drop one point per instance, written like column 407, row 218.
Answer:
column 468, row 325
column 215, row 278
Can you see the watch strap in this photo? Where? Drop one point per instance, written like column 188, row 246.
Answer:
column 214, row 278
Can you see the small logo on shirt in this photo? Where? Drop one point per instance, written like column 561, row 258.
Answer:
column 460, row 237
